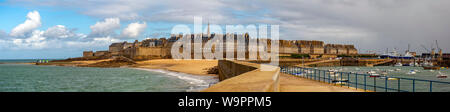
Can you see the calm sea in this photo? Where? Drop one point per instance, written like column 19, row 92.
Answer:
column 32, row 78
column 402, row 72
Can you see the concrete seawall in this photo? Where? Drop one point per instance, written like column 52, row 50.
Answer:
column 239, row 76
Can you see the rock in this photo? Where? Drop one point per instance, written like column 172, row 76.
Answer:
column 213, row 70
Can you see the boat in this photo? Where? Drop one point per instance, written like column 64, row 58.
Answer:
column 384, row 73
column 426, row 63
column 309, row 71
column 371, row 72
column 411, row 72
column 390, row 78
column 413, row 64
column 298, row 74
column 408, row 64
column 395, row 55
column 340, row 81
column 398, row 69
column 334, row 75
column 374, row 75
column 431, row 68
column 441, row 75
column 398, row 64
column 332, row 71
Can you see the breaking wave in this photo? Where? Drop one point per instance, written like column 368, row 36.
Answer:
column 199, row 82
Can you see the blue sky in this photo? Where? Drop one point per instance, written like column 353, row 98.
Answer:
column 35, row 29
column 14, row 15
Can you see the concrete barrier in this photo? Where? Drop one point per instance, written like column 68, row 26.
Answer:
column 239, row 76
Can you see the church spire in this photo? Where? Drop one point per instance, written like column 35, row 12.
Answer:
column 209, row 34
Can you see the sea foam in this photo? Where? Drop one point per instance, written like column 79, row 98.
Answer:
column 200, row 82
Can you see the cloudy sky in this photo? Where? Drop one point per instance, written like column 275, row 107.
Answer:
column 62, row 29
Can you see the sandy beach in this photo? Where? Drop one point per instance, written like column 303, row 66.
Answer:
column 194, row 67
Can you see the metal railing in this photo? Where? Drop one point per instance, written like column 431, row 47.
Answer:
column 376, row 83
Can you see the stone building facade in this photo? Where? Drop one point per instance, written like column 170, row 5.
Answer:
column 161, row 48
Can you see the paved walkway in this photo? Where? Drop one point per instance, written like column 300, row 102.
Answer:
column 289, row 83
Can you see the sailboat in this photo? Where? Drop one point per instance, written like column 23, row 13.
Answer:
column 441, row 75
column 398, row 64
column 373, row 74
column 411, row 72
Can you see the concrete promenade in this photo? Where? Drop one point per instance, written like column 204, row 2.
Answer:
column 239, row 76
column 289, row 83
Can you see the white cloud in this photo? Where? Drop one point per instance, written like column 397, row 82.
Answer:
column 95, row 42
column 133, row 30
column 35, row 41
column 3, row 44
column 373, row 23
column 26, row 37
column 60, row 31
column 105, row 28
column 2, row 34
column 33, row 21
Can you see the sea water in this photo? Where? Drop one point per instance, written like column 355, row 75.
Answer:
column 401, row 72
column 32, row 78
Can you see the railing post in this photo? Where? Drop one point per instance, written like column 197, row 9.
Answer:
column 414, row 85
column 385, row 84
column 324, row 76
column 318, row 73
column 287, row 69
column 329, row 77
column 374, row 84
column 398, row 85
column 341, row 78
column 314, row 75
column 334, row 78
column 431, row 86
column 306, row 73
column 293, row 69
column 301, row 70
column 348, row 80
column 365, row 83
column 356, row 81
column 290, row 70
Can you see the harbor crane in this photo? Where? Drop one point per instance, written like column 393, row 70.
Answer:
column 439, row 50
column 425, row 48
column 437, row 45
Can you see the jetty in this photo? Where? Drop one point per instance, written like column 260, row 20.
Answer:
column 240, row 76
column 379, row 62
column 318, row 62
